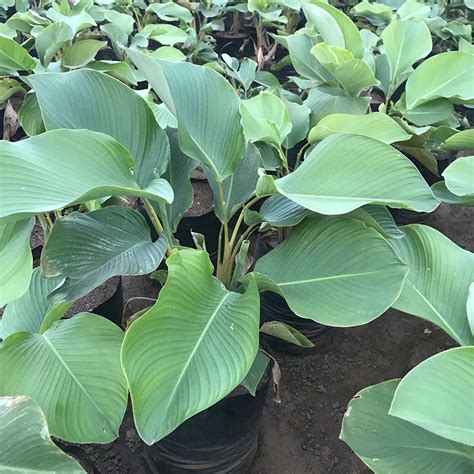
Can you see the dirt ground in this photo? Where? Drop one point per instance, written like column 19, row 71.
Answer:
column 301, row 435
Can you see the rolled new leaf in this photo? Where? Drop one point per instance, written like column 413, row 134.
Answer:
column 191, row 349
column 64, row 167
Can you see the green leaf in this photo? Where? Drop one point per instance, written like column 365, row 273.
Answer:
column 265, row 118
column 299, row 117
column 375, row 125
column 33, row 311
column 165, row 34
column 428, row 113
column 29, row 115
column 405, row 42
column 351, row 74
column 25, row 440
column 239, row 187
column 14, row 57
column 77, row 22
column 170, row 11
column 446, row 75
column 334, row 26
column 444, row 195
column 256, row 372
column 51, row 40
column 446, row 381
column 8, row 88
column 299, row 46
column 279, row 211
column 335, row 271
column 470, row 307
column 34, row 178
column 463, row 140
column 118, row 69
column 202, row 100
column 379, row 218
column 388, row 444
column 191, row 349
column 73, row 372
column 333, row 181
column 286, row 333
column 81, row 53
column 378, row 14
column 323, row 103
column 88, row 249
column 16, row 260
column 459, row 176
column 106, row 99
column 437, row 284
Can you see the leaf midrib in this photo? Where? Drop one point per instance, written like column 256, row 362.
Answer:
column 75, row 379
column 193, row 352
column 333, row 277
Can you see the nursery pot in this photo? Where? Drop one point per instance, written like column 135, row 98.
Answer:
column 273, row 307
column 221, row 439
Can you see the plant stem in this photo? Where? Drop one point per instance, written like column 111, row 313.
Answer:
column 155, row 220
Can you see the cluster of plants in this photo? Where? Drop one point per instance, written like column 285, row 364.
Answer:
column 312, row 134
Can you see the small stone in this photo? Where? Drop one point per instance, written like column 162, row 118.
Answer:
column 336, row 405
column 308, row 416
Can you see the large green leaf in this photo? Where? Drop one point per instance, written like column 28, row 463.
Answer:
column 81, row 53
column 16, row 260
column 96, row 101
column 33, row 310
column 459, row 176
column 388, row 444
column 334, row 26
column 405, row 43
column 463, row 140
column 444, row 195
column 437, row 284
column 265, row 118
column 446, row 380
column 26, row 444
column 333, row 181
column 29, row 115
column 279, row 211
column 51, row 39
column 352, row 75
column 191, row 349
column 446, row 75
column 73, row 372
column 88, row 249
column 375, row 125
column 335, row 271
column 206, row 107
column 14, row 57
column 60, row 167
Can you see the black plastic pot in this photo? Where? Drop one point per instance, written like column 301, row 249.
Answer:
column 221, row 439
column 274, row 308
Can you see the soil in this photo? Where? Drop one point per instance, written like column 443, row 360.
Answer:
column 300, row 435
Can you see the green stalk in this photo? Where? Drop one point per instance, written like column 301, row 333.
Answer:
column 155, row 220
